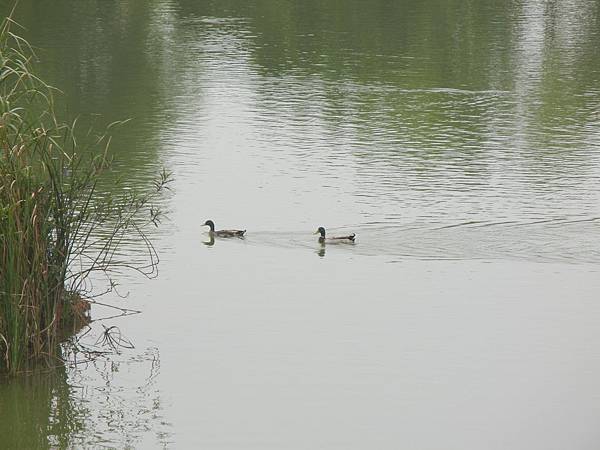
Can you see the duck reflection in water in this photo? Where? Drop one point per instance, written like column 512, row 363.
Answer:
column 210, row 242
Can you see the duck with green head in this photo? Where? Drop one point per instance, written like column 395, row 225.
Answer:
column 222, row 233
column 335, row 239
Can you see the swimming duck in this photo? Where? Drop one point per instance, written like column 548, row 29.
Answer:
column 223, row 233
column 323, row 239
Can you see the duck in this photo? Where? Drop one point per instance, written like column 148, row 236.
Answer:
column 335, row 239
column 222, row 233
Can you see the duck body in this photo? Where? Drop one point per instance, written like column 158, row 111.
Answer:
column 229, row 233
column 223, row 233
column 335, row 239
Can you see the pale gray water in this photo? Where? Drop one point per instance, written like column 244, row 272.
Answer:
column 459, row 140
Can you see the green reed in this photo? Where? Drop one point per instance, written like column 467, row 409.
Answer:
column 51, row 212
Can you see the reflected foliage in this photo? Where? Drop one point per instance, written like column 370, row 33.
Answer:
column 110, row 61
column 537, row 61
column 38, row 411
column 51, row 409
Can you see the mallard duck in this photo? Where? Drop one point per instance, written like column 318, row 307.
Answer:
column 223, row 233
column 335, row 239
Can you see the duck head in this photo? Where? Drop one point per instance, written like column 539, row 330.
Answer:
column 209, row 223
column 320, row 231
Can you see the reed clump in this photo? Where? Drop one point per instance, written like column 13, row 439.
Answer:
column 56, row 229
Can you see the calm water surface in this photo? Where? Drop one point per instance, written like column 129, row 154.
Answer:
column 459, row 140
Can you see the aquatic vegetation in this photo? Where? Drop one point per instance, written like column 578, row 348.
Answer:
column 57, row 228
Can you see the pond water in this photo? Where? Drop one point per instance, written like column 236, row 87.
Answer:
column 460, row 141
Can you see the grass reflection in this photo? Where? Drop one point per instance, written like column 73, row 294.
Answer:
column 50, row 409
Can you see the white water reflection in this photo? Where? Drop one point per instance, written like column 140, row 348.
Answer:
column 117, row 399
